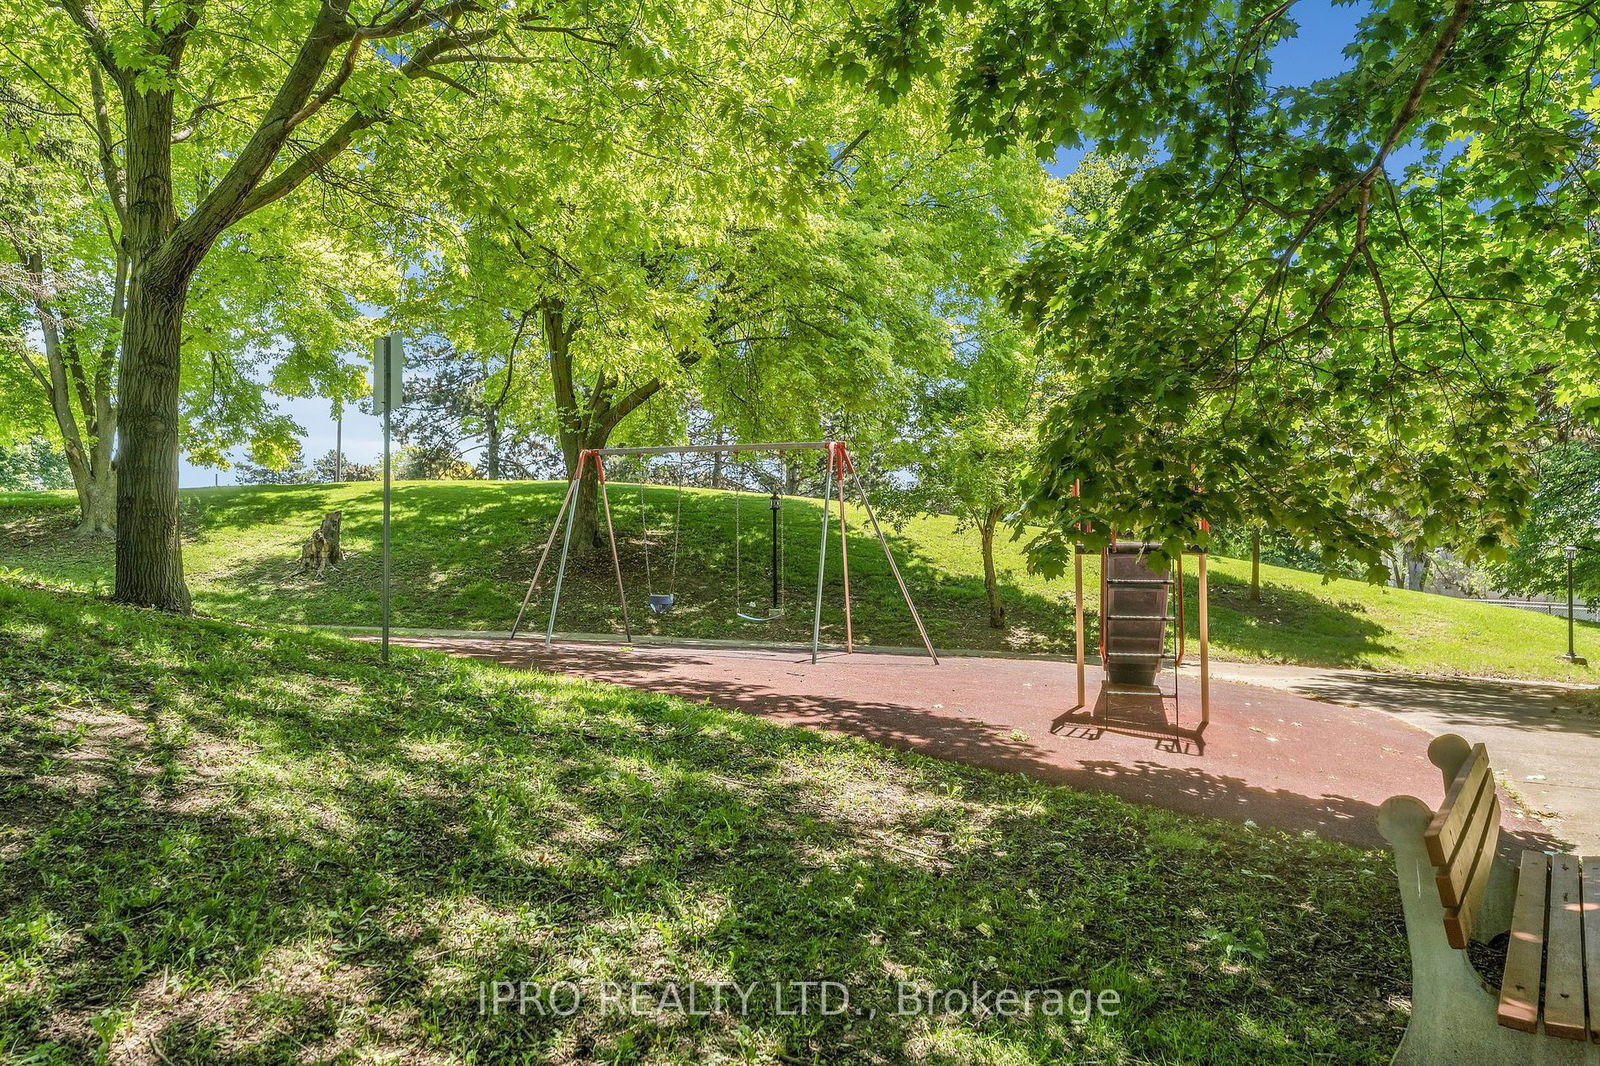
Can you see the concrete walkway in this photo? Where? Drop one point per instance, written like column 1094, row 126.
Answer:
column 1543, row 737
column 1269, row 756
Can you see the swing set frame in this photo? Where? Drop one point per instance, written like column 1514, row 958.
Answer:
column 839, row 466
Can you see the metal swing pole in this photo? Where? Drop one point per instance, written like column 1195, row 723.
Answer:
column 566, row 548
column 847, row 465
column 822, row 554
column 555, row 527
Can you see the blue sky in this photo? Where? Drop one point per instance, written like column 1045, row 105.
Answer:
column 363, row 438
column 1316, row 52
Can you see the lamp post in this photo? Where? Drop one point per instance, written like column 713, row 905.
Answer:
column 1572, row 656
column 776, row 504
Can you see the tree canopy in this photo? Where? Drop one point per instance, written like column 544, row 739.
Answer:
column 1347, row 312
column 737, row 231
column 1321, row 306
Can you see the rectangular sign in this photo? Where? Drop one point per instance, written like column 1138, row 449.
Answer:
column 388, row 373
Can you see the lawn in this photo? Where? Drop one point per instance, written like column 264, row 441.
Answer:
column 464, row 552
column 229, row 843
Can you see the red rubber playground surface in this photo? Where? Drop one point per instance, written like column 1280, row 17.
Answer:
column 1269, row 757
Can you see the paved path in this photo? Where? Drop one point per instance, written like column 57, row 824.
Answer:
column 1543, row 737
column 1269, row 756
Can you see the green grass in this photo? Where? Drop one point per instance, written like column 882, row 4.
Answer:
column 464, row 552
column 247, row 844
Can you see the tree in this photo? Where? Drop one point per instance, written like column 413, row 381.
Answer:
column 335, row 466
column 60, row 266
column 973, row 424
column 269, row 299
column 968, row 450
column 33, row 464
column 272, row 306
column 458, row 403
column 421, row 464
column 277, row 467
column 194, row 135
column 781, row 254
column 1565, row 511
column 1313, row 310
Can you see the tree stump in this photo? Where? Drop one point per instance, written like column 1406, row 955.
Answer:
column 322, row 549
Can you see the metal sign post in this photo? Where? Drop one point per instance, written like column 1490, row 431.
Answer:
column 388, row 370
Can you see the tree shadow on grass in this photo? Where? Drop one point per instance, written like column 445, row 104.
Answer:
column 223, row 511
column 1288, row 625
column 463, row 553
column 348, row 851
column 713, row 582
column 455, row 556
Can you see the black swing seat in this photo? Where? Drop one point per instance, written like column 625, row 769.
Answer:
column 661, row 602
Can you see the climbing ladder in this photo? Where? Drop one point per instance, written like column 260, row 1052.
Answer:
column 1135, row 609
column 1141, row 627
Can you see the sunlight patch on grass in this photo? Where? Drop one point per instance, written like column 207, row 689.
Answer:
column 295, row 850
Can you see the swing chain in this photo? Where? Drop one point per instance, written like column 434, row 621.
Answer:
column 738, row 581
column 677, row 527
column 644, row 524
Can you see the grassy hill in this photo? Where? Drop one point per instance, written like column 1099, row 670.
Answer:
column 225, row 843
column 464, row 552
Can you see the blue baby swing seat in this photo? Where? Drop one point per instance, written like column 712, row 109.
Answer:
column 662, row 602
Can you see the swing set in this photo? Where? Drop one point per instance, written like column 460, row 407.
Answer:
column 839, row 467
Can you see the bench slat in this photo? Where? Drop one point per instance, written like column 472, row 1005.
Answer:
column 1459, row 920
column 1475, row 855
column 1591, row 939
column 1519, row 990
column 1444, row 831
column 1563, row 966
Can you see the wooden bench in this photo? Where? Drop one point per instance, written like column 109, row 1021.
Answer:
column 1455, row 887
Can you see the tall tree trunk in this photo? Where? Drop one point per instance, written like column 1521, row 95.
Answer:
column 991, row 582
column 1416, row 567
column 1255, row 566
column 572, row 429
column 584, row 421
column 97, row 493
column 149, row 551
column 97, row 499
column 491, row 447
column 84, row 413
